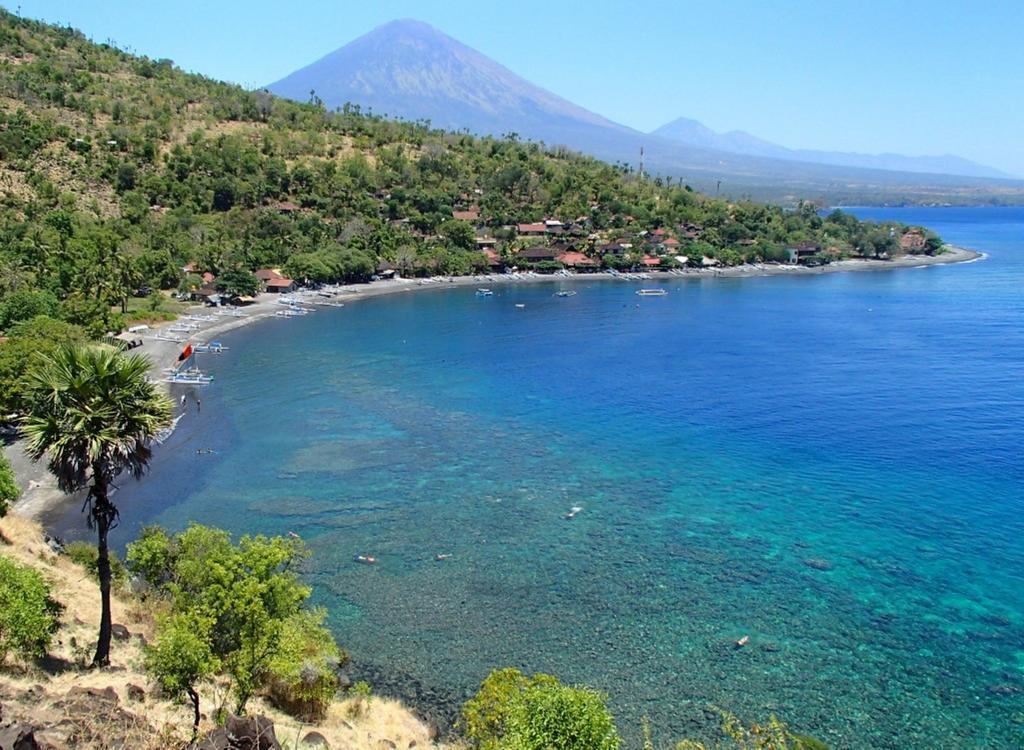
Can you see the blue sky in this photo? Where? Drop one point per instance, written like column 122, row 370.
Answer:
column 909, row 77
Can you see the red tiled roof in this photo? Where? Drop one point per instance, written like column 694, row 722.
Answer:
column 649, row 261
column 538, row 227
column 492, row 256
column 208, row 277
column 266, row 274
column 466, row 215
column 573, row 258
column 671, row 242
column 279, row 282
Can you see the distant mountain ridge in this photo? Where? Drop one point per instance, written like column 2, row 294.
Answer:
column 694, row 133
column 409, row 69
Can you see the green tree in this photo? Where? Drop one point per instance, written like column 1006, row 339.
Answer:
column 25, row 304
column 249, row 591
column 9, row 491
column 93, row 413
column 458, row 234
column 238, row 281
column 180, row 658
column 28, row 616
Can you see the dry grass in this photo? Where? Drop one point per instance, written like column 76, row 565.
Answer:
column 154, row 723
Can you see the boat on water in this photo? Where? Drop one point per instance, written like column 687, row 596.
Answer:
column 520, row 305
column 651, row 292
column 366, row 559
column 484, row 293
column 573, row 512
column 189, row 379
column 565, row 293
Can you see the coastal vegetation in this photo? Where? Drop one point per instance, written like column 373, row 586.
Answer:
column 9, row 491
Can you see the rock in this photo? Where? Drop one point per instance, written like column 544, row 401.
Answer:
column 1003, row 688
column 251, row 733
column 106, row 694
column 412, row 744
column 120, row 632
column 386, row 745
column 18, row 737
column 135, row 693
column 818, row 563
column 215, row 740
column 315, row 739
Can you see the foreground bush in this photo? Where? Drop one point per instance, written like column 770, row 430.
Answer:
column 28, row 616
column 515, row 712
column 303, row 678
column 253, row 599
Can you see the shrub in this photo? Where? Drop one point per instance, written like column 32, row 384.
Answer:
column 28, row 616
column 560, row 716
column 302, row 678
column 359, row 695
column 535, row 713
column 180, row 658
column 151, row 556
column 8, row 487
column 86, row 555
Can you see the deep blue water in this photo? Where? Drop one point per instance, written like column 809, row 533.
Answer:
column 831, row 465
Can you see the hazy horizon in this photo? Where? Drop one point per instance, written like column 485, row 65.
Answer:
column 923, row 79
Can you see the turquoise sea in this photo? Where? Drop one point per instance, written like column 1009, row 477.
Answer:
column 830, row 465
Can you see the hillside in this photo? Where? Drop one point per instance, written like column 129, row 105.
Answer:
column 70, row 705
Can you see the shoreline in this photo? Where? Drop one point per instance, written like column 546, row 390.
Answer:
column 41, row 497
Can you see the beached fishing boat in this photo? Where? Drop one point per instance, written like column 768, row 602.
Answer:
column 651, row 292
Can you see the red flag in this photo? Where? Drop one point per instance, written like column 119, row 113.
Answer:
column 185, row 353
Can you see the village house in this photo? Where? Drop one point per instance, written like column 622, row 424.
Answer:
column 536, row 254
column 470, row 215
column 537, row 229
column 494, row 261
column 266, row 274
column 578, row 261
column 649, row 261
column 802, row 251
column 280, row 285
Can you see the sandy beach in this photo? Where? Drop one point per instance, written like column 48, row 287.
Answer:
column 40, row 493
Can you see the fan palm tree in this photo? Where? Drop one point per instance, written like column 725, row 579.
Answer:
column 93, row 413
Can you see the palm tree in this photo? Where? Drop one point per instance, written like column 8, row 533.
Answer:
column 93, row 412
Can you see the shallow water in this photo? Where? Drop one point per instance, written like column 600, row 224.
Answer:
column 831, row 465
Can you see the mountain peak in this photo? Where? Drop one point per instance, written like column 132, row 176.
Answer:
column 408, row 68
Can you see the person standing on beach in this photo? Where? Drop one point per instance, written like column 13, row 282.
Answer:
column 199, row 404
column 182, row 400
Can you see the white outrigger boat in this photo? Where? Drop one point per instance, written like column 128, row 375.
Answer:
column 565, row 293
column 187, row 378
column 651, row 292
column 484, row 293
column 165, row 337
column 214, row 347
